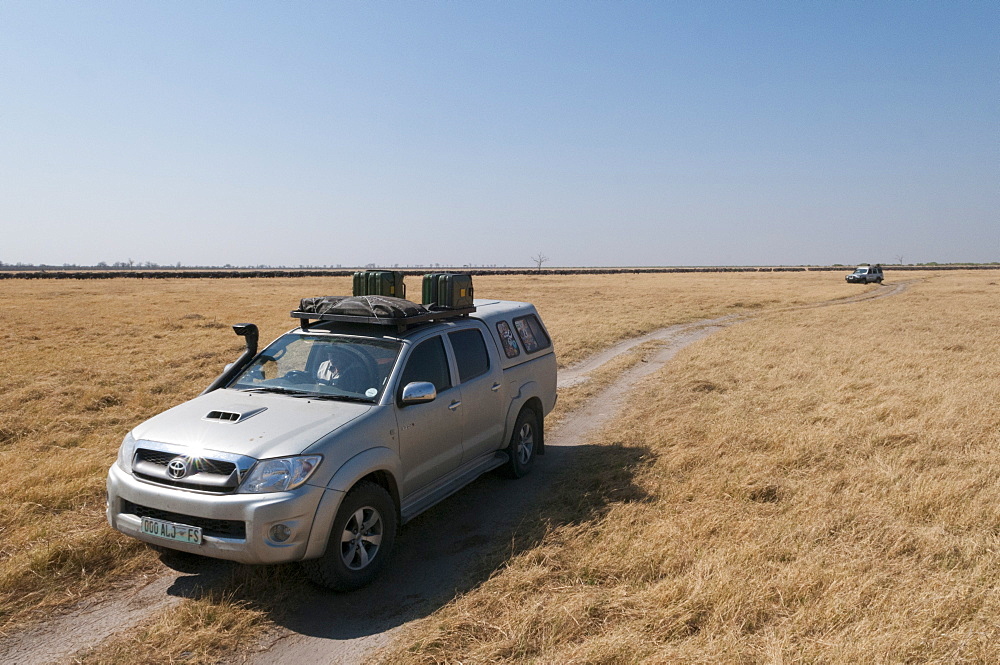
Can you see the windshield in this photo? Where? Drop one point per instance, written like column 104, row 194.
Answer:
column 326, row 366
column 860, row 271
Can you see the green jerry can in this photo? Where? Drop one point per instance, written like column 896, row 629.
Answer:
column 360, row 284
column 379, row 283
column 385, row 283
column 429, row 289
column 455, row 291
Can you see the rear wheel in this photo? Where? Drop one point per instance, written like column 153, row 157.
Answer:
column 524, row 442
column 360, row 541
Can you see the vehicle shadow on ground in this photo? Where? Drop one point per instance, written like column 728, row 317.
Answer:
column 197, row 575
column 445, row 552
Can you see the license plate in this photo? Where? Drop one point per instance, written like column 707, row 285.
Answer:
column 171, row 530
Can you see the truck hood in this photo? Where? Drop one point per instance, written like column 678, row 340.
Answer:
column 260, row 425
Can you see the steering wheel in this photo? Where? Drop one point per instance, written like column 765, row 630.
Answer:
column 297, row 376
column 357, row 368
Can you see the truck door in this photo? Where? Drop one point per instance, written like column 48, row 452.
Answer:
column 480, row 380
column 430, row 434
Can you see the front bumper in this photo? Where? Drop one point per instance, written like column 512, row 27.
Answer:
column 307, row 511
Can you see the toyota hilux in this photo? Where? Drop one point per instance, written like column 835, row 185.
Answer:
column 318, row 447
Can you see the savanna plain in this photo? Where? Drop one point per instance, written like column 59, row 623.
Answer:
column 810, row 485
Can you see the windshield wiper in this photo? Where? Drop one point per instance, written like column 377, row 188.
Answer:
column 341, row 398
column 308, row 395
column 274, row 389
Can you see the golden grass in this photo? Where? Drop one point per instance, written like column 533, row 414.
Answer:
column 818, row 486
column 85, row 361
column 203, row 630
column 197, row 632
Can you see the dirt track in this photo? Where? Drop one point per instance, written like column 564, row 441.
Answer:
column 438, row 555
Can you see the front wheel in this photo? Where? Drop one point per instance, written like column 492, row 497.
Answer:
column 360, row 541
column 524, row 442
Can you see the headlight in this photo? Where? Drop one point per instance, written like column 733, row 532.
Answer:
column 125, row 453
column 279, row 475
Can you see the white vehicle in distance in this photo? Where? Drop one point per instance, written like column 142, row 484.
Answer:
column 318, row 447
column 865, row 274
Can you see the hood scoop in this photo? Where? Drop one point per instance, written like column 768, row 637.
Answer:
column 233, row 416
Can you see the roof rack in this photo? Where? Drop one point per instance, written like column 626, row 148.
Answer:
column 401, row 322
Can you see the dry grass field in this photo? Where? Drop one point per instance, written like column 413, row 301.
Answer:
column 85, row 361
column 815, row 486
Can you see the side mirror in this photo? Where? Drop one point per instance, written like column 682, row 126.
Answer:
column 418, row 392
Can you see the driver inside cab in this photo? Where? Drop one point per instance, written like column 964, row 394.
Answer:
column 342, row 369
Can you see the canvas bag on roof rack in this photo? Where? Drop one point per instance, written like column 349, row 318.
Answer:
column 366, row 306
column 320, row 304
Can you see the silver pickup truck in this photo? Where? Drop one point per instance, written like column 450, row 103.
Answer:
column 316, row 448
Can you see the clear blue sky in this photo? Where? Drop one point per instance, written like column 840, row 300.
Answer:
column 598, row 133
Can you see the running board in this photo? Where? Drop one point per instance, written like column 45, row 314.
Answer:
column 430, row 497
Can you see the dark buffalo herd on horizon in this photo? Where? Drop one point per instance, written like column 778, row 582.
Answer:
column 60, row 273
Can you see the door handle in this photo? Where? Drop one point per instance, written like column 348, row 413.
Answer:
column 495, row 387
column 454, row 405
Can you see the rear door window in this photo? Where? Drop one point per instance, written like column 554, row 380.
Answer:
column 532, row 334
column 508, row 340
column 470, row 353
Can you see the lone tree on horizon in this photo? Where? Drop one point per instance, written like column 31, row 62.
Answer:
column 539, row 259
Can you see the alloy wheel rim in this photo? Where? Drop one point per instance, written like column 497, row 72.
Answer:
column 525, row 443
column 361, row 539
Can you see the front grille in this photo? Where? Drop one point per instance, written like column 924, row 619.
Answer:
column 154, row 456
column 203, row 474
column 209, row 527
column 201, row 464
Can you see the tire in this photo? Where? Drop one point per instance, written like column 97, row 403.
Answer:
column 524, row 441
column 361, row 540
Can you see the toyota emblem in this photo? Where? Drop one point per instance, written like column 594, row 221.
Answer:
column 177, row 468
